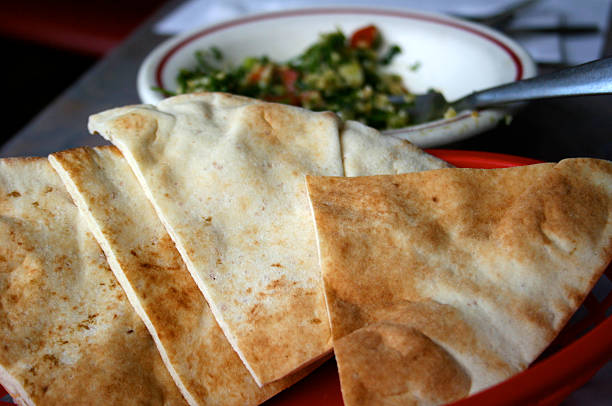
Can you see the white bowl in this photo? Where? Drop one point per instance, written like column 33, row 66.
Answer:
column 454, row 57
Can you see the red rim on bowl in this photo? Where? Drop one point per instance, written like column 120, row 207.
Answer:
column 579, row 351
column 315, row 11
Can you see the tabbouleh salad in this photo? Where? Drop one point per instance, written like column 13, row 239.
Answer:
column 341, row 74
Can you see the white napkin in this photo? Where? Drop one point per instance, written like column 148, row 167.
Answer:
column 568, row 49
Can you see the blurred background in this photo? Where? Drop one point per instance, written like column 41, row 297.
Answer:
column 47, row 45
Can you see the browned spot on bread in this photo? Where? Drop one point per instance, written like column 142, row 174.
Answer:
column 280, row 283
column 50, row 358
column 275, row 284
column 135, row 123
column 255, row 309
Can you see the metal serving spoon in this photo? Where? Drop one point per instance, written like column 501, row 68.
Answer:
column 590, row 78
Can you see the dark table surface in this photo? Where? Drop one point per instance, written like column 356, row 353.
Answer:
column 547, row 130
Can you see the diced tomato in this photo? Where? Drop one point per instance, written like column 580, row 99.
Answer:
column 289, row 77
column 364, row 37
column 255, row 75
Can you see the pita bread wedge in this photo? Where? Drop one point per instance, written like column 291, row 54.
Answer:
column 365, row 151
column 157, row 283
column 225, row 175
column 68, row 336
column 442, row 283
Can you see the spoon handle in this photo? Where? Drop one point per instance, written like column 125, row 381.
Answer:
column 589, row 78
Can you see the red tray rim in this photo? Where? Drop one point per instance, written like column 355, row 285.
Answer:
column 480, row 159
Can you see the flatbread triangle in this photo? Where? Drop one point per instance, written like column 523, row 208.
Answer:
column 68, row 335
column 443, row 283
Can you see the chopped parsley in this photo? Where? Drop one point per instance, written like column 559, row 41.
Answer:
column 341, row 74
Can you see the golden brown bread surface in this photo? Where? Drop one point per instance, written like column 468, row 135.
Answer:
column 157, row 282
column 478, row 269
column 391, row 359
column 226, row 177
column 68, row 335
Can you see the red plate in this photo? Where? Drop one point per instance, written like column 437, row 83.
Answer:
column 571, row 360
